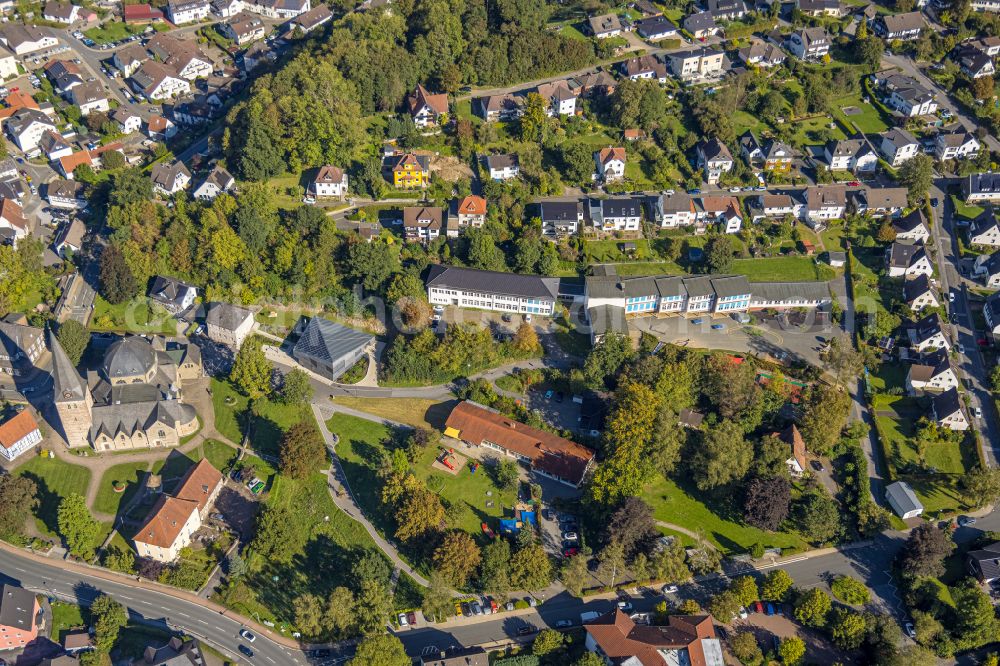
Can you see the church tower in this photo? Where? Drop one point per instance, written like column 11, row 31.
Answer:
column 71, row 397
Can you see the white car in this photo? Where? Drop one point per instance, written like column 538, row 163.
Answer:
column 951, row 297
column 439, row 309
column 247, row 636
column 402, row 620
column 743, row 613
column 977, row 412
column 670, row 589
column 734, row 190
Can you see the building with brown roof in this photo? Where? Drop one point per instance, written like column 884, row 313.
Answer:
column 547, row 454
column 469, row 212
column 685, row 639
column 18, row 434
column 175, row 518
column 797, row 461
column 426, row 108
column 13, row 224
column 423, row 223
column 330, row 181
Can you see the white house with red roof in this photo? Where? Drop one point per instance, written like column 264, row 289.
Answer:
column 610, row 164
column 18, row 434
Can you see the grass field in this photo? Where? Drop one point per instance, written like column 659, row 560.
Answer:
column 869, row 121
column 417, row 412
column 217, row 453
column 806, row 131
column 571, row 31
column 360, row 450
column 107, row 500
column 134, row 316
column 65, row 617
column 964, row 210
column 272, row 418
column 783, row 269
column 682, row 506
column 55, row 479
column 938, row 489
column 115, row 31
column 605, row 251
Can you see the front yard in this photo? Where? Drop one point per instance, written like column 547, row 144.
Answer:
column 55, row 479
column 272, row 418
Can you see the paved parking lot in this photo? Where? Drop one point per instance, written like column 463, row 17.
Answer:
column 780, row 338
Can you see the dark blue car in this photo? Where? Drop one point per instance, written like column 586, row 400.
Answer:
column 770, row 608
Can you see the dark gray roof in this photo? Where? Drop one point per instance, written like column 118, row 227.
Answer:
column 910, row 222
column 699, row 286
column 23, row 118
column 987, row 559
column 327, row 341
column 226, row 315
column 168, row 290
column 67, row 384
column 904, row 255
column 714, row 149
column 947, row 403
column 654, row 25
column 607, row 319
column 128, row 417
column 502, row 161
column 560, row 211
column 734, row 285
column 511, row 284
column 17, row 607
column 903, row 496
column 699, row 21
column 628, row 207
column 783, row 291
column 993, row 264
column 916, row 287
column 927, row 327
column 984, row 182
column 129, row 356
column 670, row 286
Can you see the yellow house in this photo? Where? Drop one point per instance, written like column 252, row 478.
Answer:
column 410, row 171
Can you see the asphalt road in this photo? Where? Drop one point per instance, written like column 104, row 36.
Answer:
column 147, row 606
column 971, row 363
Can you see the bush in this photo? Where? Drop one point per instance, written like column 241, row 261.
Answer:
column 850, row 591
column 520, row 604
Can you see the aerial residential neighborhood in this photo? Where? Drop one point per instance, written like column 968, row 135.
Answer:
column 499, row 333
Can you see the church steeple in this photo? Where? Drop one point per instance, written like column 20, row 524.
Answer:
column 71, row 396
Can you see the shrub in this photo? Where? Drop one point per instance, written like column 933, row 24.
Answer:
column 850, row 591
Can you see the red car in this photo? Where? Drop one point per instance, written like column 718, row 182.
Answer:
column 570, row 552
column 983, row 342
column 412, row 618
column 759, row 607
column 854, row 183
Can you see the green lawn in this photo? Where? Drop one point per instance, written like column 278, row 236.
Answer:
column 638, row 268
column 964, row 210
column 272, row 418
column 115, row 31
column 55, row 480
column 65, row 616
column 938, row 490
column 889, row 376
column 218, row 453
column 833, row 237
column 107, row 500
column 806, row 131
column 682, row 505
column 869, row 121
column 332, row 543
column 743, row 121
column 134, row 316
column 571, row 31
column 608, row 251
column 783, row 269
column 360, row 449
column 417, row 412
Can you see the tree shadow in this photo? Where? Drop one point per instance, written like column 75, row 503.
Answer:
column 174, row 467
column 48, row 502
column 437, row 414
column 265, row 436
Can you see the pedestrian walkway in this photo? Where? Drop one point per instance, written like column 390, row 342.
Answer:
column 346, row 502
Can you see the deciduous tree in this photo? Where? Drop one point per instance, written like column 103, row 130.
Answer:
column 745, row 589
column 925, row 551
column 380, row 650
column 574, row 574
column 719, row 254
column 18, row 499
column 766, row 501
column 547, row 642
column 916, row 176
column 373, row 606
column 419, row 512
column 109, row 617
column 723, row 456
column 494, row 567
column 724, row 606
column 74, row 338
column 77, row 526
column 745, row 648
column 296, row 389
column 776, row 585
column 847, row 628
column 457, row 557
column 530, row 568
column 791, row 650
column 632, row 525
column 251, row 371
column 981, row 485
column 850, row 590
column 812, row 607
column 302, row 451
column 117, row 282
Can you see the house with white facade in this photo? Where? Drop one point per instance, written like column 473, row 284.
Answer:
column 855, row 155
column 912, row 227
column 19, row 434
column 489, row 290
column 560, row 100
column 809, row 43
column 933, row 372
column 714, row 158
column 673, row 210
column 169, row 178
column 902, row 27
column 216, row 182
column 958, row 145
column 426, row 108
column 610, row 163
column 984, row 230
column 698, row 63
column 617, row 214
column 423, row 224
column 561, row 217
column 987, row 268
column 946, row 408
column 229, row 324
column 898, row 145
column 188, row 11
column 156, row 81
column 918, row 293
column 26, row 128
column 981, row 188
column 879, row 201
column 503, row 166
column 907, row 259
column 927, row 334
column 174, row 519
column 330, row 181
column 824, row 203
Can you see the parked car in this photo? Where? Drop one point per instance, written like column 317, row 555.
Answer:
column 697, row 321
column 411, row 617
column 718, row 327
column 570, row 552
column 960, row 348
column 743, row 613
column 818, row 466
column 439, row 309
column 526, row 630
column 966, row 521
column 477, row 608
column 758, row 607
column 908, row 627
column 570, row 536
column 670, row 589
column 625, row 606
column 531, row 601
column 548, row 394
column 245, row 650
column 770, row 608
column 934, row 202
column 246, row 635
column 977, row 412
column 951, row 297
column 509, row 606
column 564, row 624
column 560, row 396
column 466, row 609
column 403, row 622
